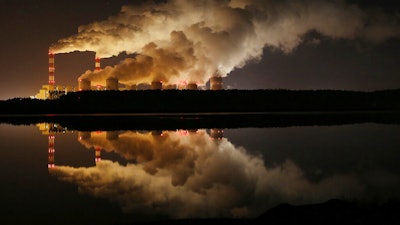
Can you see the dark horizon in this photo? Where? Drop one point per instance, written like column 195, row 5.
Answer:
column 212, row 102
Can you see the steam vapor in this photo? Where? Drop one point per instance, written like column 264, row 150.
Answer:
column 194, row 175
column 181, row 40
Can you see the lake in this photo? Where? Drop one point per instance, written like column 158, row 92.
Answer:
column 53, row 174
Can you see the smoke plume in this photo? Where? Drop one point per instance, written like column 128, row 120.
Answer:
column 193, row 40
column 194, row 175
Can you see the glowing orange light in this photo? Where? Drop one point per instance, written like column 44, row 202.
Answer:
column 183, row 132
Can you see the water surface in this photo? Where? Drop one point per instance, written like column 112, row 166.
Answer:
column 54, row 175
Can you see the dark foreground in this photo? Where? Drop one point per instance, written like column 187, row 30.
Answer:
column 185, row 101
column 108, row 122
column 331, row 212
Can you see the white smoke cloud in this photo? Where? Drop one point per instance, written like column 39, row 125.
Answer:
column 191, row 40
column 196, row 176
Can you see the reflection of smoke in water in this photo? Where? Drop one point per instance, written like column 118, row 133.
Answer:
column 180, row 40
column 190, row 174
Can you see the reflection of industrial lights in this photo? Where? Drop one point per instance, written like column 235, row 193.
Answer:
column 183, row 132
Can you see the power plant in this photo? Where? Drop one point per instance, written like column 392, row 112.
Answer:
column 216, row 83
column 53, row 91
column 97, row 66
column 91, row 138
column 52, row 81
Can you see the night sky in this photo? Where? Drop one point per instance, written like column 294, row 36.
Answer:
column 30, row 27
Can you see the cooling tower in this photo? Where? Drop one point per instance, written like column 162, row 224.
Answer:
column 84, row 85
column 182, row 85
column 170, row 87
column 216, row 83
column 156, row 85
column 217, row 134
column 112, row 84
column 156, row 132
column 112, row 135
column 192, row 86
column 131, row 87
column 84, row 135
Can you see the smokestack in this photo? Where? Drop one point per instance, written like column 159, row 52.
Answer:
column 112, row 84
column 97, row 64
column 192, row 86
column 216, row 83
column 51, row 151
column 84, row 85
column 156, row 85
column 97, row 154
column 51, row 69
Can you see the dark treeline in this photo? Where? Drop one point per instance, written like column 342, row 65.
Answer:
column 185, row 101
column 199, row 121
column 173, row 122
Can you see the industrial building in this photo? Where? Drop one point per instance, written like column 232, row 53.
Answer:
column 216, row 83
column 50, row 91
column 53, row 91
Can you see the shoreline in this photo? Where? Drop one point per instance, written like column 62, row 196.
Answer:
column 188, row 114
column 171, row 121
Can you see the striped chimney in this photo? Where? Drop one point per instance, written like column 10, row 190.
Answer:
column 51, row 69
column 51, row 152
column 97, row 154
column 97, row 64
